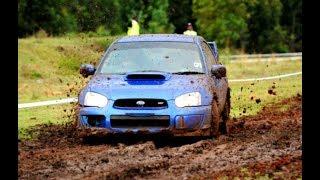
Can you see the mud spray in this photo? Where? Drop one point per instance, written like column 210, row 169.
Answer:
column 267, row 144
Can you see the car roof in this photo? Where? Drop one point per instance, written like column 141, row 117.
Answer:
column 160, row 38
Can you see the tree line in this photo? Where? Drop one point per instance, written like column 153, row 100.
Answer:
column 253, row 26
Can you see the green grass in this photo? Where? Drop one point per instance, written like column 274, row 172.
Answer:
column 48, row 68
column 246, row 99
column 41, row 115
column 47, row 65
column 262, row 69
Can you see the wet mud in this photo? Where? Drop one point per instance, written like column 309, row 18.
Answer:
column 267, row 144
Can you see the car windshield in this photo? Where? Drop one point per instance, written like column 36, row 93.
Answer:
column 172, row 57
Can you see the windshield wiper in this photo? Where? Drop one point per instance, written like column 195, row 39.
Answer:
column 188, row 72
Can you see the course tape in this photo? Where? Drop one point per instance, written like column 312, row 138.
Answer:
column 265, row 78
column 267, row 59
column 47, row 103
column 249, row 56
column 75, row 99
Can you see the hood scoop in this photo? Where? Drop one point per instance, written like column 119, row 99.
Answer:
column 143, row 78
column 158, row 77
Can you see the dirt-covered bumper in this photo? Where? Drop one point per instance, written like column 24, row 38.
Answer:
column 193, row 121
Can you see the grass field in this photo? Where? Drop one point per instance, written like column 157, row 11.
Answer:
column 42, row 115
column 48, row 69
column 47, row 65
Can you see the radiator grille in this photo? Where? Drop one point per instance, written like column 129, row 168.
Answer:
column 141, row 103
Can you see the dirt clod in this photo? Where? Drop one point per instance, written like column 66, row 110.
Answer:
column 272, row 92
column 60, row 48
column 258, row 100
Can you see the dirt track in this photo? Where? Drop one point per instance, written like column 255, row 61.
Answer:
column 266, row 144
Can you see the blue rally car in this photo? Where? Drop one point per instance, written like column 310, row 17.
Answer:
column 157, row 83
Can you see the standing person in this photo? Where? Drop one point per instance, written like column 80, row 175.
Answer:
column 190, row 30
column 135, row 28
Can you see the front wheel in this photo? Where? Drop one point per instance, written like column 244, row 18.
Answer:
column 225, row 114
column 215, row 120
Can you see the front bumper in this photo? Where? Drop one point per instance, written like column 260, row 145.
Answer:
column 193, row 121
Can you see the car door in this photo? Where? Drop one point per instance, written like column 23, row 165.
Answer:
column 220, row 84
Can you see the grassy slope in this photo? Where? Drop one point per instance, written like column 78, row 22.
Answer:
column 48, row 69
column 47, row 65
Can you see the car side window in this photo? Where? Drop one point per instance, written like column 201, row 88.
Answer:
column 208, row 54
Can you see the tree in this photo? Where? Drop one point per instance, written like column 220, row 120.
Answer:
column 266, row 34
column 159, row 22
column 253, row 25
column 221, row 20
column 131, row 8
column 92, row 14
column 180, row 13
column 50, row 15
column 291, row 21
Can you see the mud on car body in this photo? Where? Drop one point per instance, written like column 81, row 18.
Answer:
column 157, row 84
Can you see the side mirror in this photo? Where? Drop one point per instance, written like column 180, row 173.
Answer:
column 218, row 71
column 87, row 70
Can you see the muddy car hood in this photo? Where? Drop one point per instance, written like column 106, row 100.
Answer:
column 117, row 87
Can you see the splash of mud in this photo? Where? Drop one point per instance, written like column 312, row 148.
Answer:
column 268, row 143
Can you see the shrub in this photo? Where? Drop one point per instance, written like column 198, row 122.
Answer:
column 69, row 65
column 35, row 75
column 41, row 34
column 101, row 31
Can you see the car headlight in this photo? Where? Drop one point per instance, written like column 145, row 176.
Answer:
column 189, row 99
column 95, row 99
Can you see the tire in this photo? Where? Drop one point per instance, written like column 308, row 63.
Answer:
column 225, row 114
column 215, row 120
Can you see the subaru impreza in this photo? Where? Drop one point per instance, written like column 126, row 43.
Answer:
column 157, row 83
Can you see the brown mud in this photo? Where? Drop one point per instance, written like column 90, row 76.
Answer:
column 267, row 144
